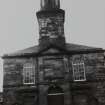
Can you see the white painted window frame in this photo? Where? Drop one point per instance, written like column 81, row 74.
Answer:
column 30, row 68
column 78, row 64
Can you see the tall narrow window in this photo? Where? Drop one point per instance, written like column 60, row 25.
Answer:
column 29, row 73
column 79, row 71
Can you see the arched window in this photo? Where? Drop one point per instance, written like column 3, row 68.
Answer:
column 29, row 73
column 55, row 95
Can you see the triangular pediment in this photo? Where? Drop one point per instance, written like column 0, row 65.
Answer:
column 69, row 48
column 52, row 50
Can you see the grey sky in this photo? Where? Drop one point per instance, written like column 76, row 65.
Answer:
column 85, row 24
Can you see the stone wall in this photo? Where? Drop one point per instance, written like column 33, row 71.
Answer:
column 94, row 84
column 13, row 70
column 95, row 77
column 15, row 92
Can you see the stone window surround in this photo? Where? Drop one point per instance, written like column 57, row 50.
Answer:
column 29, row 68
column 77, row 77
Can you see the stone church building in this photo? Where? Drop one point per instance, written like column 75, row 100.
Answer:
column 54, row 72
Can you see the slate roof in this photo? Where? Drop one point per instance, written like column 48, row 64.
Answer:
column 69, row 48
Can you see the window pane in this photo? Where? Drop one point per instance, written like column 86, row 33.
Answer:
column 28, row 73
column 78, row 71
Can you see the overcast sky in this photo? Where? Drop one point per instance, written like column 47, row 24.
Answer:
column 85, row 24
